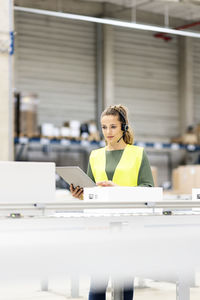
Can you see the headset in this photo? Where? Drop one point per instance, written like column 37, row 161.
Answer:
column 124, row 126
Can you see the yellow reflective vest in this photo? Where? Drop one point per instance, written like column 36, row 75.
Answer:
column 127, row 170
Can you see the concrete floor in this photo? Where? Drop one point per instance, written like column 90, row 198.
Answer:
column 61, row 290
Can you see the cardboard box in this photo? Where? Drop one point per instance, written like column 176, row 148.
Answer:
column 28, row 123
column 123, row 194
column 185, row 178
column 197, row 131
column 27, row 115
column 175, row 179
column 189, row 138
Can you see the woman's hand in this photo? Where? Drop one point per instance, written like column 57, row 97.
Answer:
column 77, row 191
column 106, row 183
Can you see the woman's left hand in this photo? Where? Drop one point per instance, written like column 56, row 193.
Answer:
column 106, row 183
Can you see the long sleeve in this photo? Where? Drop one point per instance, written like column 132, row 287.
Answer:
column 145, row 177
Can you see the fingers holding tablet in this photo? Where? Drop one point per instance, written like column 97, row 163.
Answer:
column 77, row 191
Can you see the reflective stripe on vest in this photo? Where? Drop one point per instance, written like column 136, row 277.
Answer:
column 127, row 170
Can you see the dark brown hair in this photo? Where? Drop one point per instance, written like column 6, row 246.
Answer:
column 122, row 112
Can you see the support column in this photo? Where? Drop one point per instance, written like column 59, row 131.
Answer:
column 6, row 100
column 186, row 83
column 99, row 73
column 108, row 66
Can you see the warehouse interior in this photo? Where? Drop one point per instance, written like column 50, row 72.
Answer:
column 60, row 70
column 144, row 71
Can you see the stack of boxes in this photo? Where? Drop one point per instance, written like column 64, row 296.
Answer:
column 26, row 107
column 28, row 115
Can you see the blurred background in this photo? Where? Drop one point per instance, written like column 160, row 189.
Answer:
column 58, row 74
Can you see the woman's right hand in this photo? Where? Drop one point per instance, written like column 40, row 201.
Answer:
column 77, row 191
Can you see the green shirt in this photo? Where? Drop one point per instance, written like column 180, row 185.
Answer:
column 145, row 177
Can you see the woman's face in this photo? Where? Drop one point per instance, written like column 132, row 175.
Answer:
column 111, row 128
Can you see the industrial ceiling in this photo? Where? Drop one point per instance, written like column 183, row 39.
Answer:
column 175, row 14
column 183, row 9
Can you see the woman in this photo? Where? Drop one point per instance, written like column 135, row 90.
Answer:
column 119, row 163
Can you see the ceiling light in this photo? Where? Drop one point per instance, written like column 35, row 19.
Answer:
column 108, row 22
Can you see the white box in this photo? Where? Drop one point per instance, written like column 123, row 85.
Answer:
column 106, row 194
column 27, row 182
column 47, row 129
column 196, row 194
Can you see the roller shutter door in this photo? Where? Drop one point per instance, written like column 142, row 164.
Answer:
column 146, row 80
column 55, row 58
column 196, row 56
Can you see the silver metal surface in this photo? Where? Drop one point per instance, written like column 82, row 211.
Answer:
column 112, row 207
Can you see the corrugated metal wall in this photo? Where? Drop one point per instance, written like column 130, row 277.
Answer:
column 146, row 80
column 196, row 61
column 56, row 59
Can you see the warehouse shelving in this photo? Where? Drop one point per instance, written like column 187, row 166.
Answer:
column 52, row 149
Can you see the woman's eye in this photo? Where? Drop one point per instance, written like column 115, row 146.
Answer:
column 113, row 127
column 103, row 127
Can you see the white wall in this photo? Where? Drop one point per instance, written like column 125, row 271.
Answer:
column 55, row 59
column 146, row 80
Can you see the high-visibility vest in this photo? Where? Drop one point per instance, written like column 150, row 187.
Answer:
column 127, row 170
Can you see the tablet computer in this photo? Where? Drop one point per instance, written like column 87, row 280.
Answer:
column 75, row 175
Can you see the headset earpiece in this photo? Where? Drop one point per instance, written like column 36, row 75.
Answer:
column 124, row 127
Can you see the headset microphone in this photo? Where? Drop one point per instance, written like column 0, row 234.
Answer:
column 120, row 138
